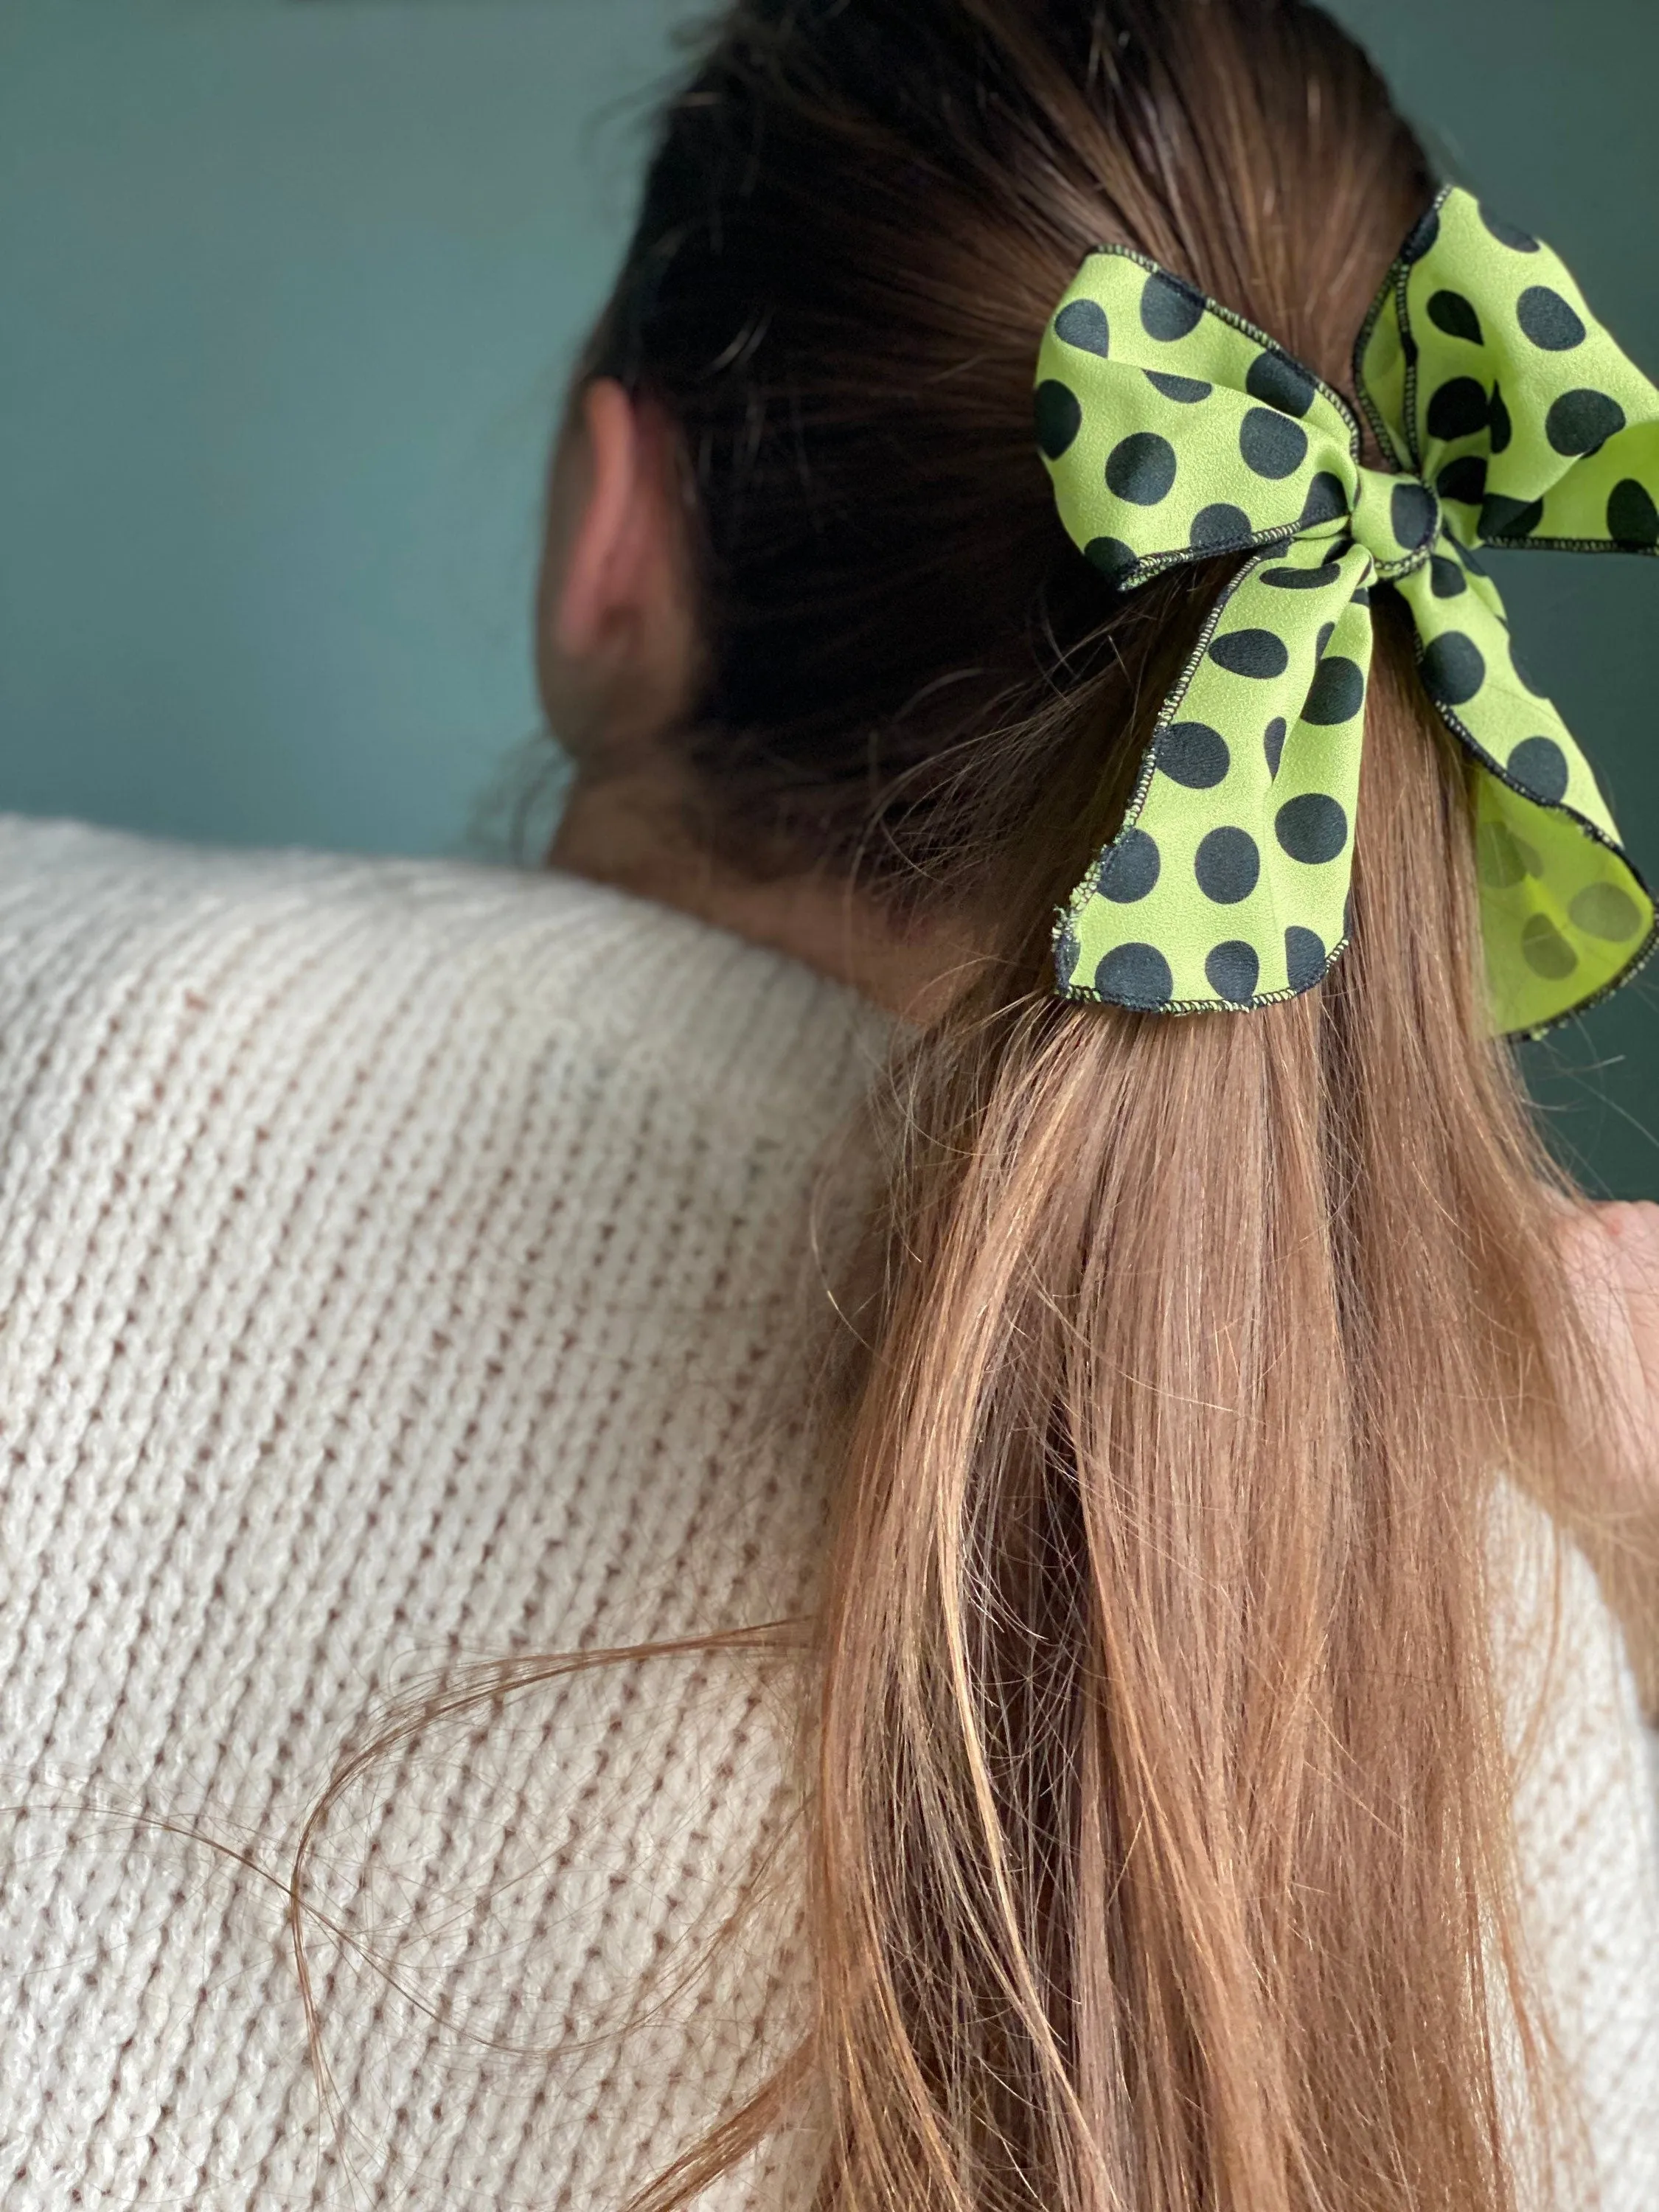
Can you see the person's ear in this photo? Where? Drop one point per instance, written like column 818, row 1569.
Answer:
column 598, row 575
column 620, row 607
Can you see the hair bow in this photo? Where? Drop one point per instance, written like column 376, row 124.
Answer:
column 1173, row 430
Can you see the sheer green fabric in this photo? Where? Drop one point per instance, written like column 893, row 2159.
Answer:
column 1174, row 430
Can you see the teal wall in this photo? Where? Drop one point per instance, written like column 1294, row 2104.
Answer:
column 287, row 289
column 286, row 296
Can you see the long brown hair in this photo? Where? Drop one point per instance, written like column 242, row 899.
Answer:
column 1158, row 1828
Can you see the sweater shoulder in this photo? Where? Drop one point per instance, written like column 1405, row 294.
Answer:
column 172, row 955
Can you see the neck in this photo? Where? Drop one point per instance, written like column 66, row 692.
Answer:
column 627, row 831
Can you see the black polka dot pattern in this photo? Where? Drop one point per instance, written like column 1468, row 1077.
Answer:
column 1544, row 949
column 1604, row 910
column 1058, row 417
column 1415, row 513
column 1502, row 859
column 1337, row 693
column 1111, row 557
column 1185, row 391
column 1281, row 383
column 1548, row 319
column 1130, row 868
column 1633, row 515
column 1272, row 743
column 1452, row 313
column 1217, row 528
column 1233, row 968
column 1141, row 468
column 1304, row 957
column 1454, row 668
column 1259, row 652
column 1134, row 976
column 1583, row 422
column 1227, row 865
column 1301, row 580
column 1463, row 479
column 1446, row 577
column 1501, row 517
column 1194, row 755
column 1506, row 234
column 1169, row 307
column 1084, row 325
column 1327, row 501
column 1539, row 767
column 1458, row 409
column 1312, row 828
column 1272, row 444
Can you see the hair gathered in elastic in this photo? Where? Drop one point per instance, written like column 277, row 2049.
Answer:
column 1175, row 430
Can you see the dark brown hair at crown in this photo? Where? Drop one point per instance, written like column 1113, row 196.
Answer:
column 857, row 221
column 1158, row 1832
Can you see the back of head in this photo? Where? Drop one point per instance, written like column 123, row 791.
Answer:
column 856, row 225
column 1159, row 1827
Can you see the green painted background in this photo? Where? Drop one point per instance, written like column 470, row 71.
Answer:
column 287, row 288
column 288, row 292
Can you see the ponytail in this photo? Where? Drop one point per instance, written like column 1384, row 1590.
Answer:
column 1160, row 1853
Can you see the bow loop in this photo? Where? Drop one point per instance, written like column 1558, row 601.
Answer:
column 1173, row 430
column 1483, row 370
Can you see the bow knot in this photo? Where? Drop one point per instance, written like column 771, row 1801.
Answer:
column 1175, row 430
column 1398, row 521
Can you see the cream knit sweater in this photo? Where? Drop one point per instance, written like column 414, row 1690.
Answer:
column 400, row 1262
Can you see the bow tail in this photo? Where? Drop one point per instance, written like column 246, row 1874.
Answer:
column 1564, row 915
column 1227, row 885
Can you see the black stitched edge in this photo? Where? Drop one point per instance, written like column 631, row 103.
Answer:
column 1485, row 760
column 1394, row 284
column 1213, row 1005
column 1374, row 416
column 1638, row 961
column 1250, row 330
column 1569, row 545
column 1159, row 564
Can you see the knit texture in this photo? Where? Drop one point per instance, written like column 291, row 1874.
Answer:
column 406, row 1263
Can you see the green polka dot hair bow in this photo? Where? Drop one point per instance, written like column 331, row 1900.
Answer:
column 1174, row 430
